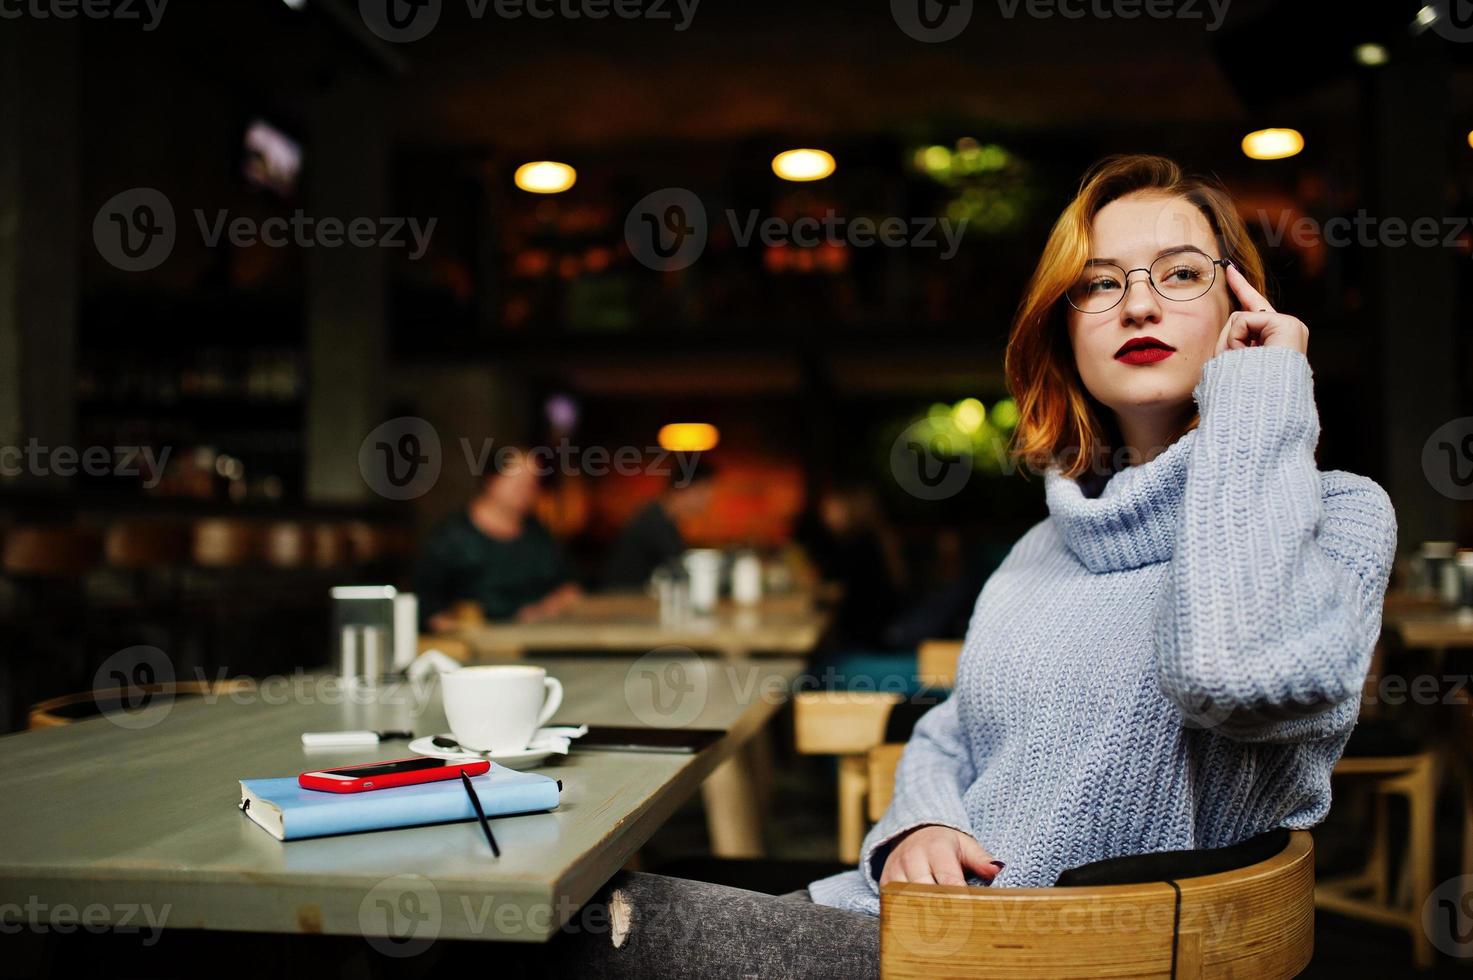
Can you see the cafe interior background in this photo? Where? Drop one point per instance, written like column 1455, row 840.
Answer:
column 241, row 389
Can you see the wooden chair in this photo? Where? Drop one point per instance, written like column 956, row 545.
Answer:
column 936, row 662
column 846, row 724
column 1256, row 921
column 1367, row 894
column 1390, row 764
column 67, row 709
column 849, row 724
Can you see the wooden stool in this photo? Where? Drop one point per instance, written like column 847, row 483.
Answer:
column 1366, row 894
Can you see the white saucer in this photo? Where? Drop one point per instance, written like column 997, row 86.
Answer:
column 541, row 748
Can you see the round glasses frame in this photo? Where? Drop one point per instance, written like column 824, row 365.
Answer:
column 1125, row 282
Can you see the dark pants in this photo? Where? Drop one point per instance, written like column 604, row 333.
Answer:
column 650, row 926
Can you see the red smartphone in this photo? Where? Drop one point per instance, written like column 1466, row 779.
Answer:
column 383, row 775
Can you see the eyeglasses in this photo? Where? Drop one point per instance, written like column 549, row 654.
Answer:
column 1182, row 275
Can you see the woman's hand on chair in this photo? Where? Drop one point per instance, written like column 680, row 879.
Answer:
column 938, row 855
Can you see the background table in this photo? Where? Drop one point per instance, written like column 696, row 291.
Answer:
column 96, row 813
column 631, row 623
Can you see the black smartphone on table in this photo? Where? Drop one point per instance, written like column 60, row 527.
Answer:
column 606, row 738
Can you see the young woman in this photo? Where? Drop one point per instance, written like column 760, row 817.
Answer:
column 1173, row 658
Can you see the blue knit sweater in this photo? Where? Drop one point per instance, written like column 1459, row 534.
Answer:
column 1175, row 663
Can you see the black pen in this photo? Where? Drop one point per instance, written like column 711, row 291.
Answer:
column 476, row 802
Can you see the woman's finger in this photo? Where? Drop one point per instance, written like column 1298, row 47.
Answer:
column 975, row 858
column 1248, row 297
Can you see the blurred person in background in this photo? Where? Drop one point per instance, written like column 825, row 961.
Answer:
column 495, row 554
column 652, row 537
column 851, row 543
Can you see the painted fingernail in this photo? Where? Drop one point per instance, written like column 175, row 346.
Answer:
column 1000, row 865
column 1226, row 262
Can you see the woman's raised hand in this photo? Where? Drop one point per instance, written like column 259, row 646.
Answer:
column 1258, row 324
column 938, row 855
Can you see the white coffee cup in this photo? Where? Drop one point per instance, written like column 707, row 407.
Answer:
column 496, row 709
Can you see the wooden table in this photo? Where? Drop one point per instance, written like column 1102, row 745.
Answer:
column 95, row 814
column 1431, row 630
column 630, row 623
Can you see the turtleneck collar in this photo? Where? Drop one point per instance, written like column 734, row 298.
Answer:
column 1132, row 522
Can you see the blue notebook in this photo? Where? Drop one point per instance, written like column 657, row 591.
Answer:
column 286, row 811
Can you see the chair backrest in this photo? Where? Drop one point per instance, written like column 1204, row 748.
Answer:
column 841, row 722
column 936, row 662
column 81, row 705
column 1256, row 921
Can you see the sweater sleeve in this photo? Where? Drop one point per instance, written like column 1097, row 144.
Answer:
column 934, row 771
column 1272, row 604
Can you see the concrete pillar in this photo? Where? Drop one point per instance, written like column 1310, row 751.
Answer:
column 346, row 318
column 39, row 188
column 1411, row 104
